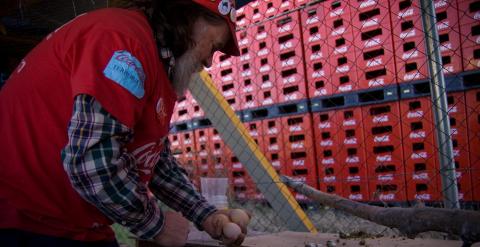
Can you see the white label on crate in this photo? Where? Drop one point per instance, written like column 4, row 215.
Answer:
column 312, row 20
column 320, row 92
column 270, row 10
column 216, row 137
column 266, row 84
column 324, row 125
column 203, row 153
column 458, row 175
column 286, row 45
column 245, row 57
column 446, row 47
column 255, row 4
column 328, row 161
column 265, row 68
column 285, row 4
column 276, row 163
column 253, row 133
column 443, row 25
column 387, row 197
column 298, row 145
column 314, row 38
column 225, row 63
column 326, row 143
column 217, row 152
column 384, row 158
column 175, row 143
column 355, row 178
column 272, row 131
column 315, row 56
column 273, row 148
column 343, row 69
column 182, row 104
column 330, row 179
column 385, row 177
column 204, row 167
column 345, row 88
column 187, row 141
column 409, row 55
column 439, row 4
column 380, row 119
column 256, row 16
column 417, row 134
column 300, row 197
column 288, row 62
column 372, row 42
column 349, row 122
column 350, row 141
column 456, row 152
column 239, row 180
column 478, row 40
column 290, row 79
column 355, row 197
column 336, row 12
column 370, row 23
column 267, row 101
column 248, row 89
column 407, row 34
column 411, row 76
column 352, row 159
column 296, row 128
column 420, row 176
column 247, row 73
column 262, row 52
column 298, row 162
column 423, row 196
column 447, row 69
column 219, row 166
column 237, row 165
column 416, row 114
column 318, row 73
column 227, row 78
column 291, row 97
column 384, row 138
column 376, row 82
column 341, row 50
column 368, row 3
column 261, row 36
column 374, row 62
column 259, row 196
column 477, row 15
column 228, row 93
column 406, row 13
column 452, row 109
column 338, row 31
column 189, row 155
column 285, row 28
column 419, row 155
column 243, row 42
column 202, row 139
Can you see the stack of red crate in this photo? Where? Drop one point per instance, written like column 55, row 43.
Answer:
column 422, row 173
column 458, row 128
column 409, row 41
column 351, row 146
column 299, row 149
column 473, row 117
column 204, row 148
column 289, row 64
column 274, row 143
column 373, row 43
column 316, row 52
column 384, row 154
column 470, row 33
column 341, row 51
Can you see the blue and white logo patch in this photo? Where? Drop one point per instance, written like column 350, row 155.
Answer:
column 127, row 71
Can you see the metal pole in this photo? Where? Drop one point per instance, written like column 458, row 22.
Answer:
column 440, row 106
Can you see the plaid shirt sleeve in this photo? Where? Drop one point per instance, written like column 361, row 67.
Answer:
column 103, row 173
column 170, row 184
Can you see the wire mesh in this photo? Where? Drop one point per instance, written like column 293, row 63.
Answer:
column 337, row 94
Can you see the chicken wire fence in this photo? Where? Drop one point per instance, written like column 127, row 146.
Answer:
column 337, row 94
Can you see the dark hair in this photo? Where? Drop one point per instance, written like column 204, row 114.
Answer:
column 174, row 19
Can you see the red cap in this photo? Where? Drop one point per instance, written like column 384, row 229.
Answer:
column 225, row 9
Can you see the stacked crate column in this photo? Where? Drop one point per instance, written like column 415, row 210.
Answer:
column 351, row 141
column 384, row 152
column 315, row 45
column 373, row 43
column 289, row 62
column 341, row 51
column 422, row 173
column 255, row 130
column 469, row 11
column 473, row 116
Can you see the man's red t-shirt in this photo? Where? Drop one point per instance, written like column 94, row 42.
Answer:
column 110, row 54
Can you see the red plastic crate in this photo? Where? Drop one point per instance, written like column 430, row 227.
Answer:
column 254, row 12
column 369, row 15
column 343, row 67
column 241, row 16
column 473, row 117
column 384, row 154
column 335, row 9
column 274, row 144
column 272, row 8
column 422, row 172
column 471, row 58
column 299, row 148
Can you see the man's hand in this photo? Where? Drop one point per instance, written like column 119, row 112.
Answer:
column 215, row 224
column 174, row 232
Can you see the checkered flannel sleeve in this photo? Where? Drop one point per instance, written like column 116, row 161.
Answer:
column 171, row 185
column 103, row 173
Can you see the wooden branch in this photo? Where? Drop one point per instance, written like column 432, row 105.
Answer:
column 409, row 221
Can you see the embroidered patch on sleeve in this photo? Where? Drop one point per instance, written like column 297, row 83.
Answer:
column 124, row 69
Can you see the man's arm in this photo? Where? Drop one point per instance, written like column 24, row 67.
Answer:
column 171, row 185
column 103, row 173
